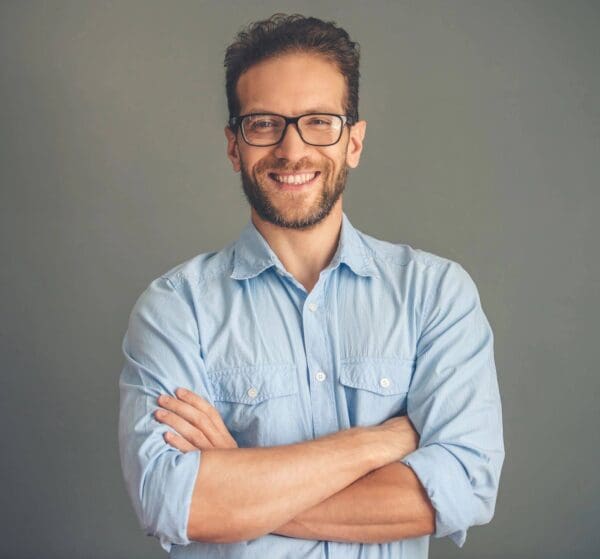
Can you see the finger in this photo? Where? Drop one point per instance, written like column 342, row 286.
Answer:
column 192, row 415
column 189, row 432
column 201, row 404
column 178, row 442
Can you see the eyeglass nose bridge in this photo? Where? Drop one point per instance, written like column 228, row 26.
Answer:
column 291, row 120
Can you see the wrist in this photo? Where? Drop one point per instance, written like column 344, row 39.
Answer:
column 379, row 447
column 396, row 438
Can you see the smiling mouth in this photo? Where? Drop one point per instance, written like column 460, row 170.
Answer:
column 294, row 179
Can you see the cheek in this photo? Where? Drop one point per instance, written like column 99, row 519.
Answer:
column 251, row 167
column 335, row 167
column 329, row 165
column 258, row 167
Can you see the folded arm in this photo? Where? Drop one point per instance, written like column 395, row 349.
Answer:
column 219, row 495
column 450, row 482
column 454, row 404
column 278, row 483
column 320, row 489
column 387, row 504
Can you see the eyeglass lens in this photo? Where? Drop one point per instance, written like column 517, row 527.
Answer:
column 318, row 129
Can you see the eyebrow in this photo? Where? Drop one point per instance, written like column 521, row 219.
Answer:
column 259, row 110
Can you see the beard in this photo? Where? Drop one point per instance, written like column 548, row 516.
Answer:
column 258, row 196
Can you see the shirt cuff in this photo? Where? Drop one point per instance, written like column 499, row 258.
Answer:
column 170, row 496
column 448, row 488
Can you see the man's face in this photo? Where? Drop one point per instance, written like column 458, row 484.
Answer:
column 291, row 85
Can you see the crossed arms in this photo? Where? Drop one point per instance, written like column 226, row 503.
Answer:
column 343, row 487
column 364, row 484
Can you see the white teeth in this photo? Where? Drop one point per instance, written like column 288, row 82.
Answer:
column 295, row 179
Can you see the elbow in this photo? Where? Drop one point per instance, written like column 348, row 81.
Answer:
column 208, row 520
column 161, row 525
column 468, row 497
column 206, row 534
column 485, row 508
column 163, row 495
column 485, row 492
column 210, row 523
column 205, row 530
column 216, row 518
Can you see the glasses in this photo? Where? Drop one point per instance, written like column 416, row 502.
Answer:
column 267, row 129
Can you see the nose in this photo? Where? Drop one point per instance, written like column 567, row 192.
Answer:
column 291, row 146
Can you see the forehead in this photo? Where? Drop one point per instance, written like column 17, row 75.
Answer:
column 292, row 84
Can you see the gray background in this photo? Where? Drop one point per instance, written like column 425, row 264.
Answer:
column 482, row 146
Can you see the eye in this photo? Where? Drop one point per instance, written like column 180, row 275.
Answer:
column 319, row 121
column 263, row 123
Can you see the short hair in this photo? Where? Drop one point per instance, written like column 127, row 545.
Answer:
column 284, row 34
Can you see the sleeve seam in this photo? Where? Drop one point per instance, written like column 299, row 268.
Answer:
column 176, row 291
column 427, row 306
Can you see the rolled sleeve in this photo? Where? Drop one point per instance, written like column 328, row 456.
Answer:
column 454, row 403
column 162, row 352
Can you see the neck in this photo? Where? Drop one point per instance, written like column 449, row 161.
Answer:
column 304, row 252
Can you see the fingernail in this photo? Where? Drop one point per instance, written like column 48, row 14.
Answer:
column 181, row 392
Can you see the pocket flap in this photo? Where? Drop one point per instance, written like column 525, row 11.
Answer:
column 382, row 376
column 252, row 385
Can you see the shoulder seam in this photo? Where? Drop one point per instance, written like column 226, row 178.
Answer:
column 428, row 299
column 176, row 291
column 201, row 279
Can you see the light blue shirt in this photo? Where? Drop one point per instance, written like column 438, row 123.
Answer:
column 387, row 330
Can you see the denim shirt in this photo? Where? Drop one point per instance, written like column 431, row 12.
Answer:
column 387, row 330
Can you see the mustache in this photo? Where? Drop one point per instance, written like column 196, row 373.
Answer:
column 297, row 168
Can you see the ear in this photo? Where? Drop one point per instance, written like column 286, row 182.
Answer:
column 355, row 143
column 233, row 149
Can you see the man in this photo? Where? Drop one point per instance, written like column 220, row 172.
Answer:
column 270, row 389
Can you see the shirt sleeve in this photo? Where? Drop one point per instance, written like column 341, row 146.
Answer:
column 454, row 403
column 162, row 352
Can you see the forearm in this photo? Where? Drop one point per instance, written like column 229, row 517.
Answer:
column 387, row 504
column 245, row 493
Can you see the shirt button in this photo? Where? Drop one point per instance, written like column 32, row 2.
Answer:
column 252, row 392
column 312, row 307
column 320, row 376
column 385, row 382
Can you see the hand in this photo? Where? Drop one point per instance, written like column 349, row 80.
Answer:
column 405, row 436
column 198, row 425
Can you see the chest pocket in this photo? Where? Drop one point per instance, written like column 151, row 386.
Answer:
column 375, row 389
column 259, row 405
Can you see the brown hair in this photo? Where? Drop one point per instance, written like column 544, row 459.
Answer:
column 283, row 34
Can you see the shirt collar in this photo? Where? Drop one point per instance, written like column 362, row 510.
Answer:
column 253, row 255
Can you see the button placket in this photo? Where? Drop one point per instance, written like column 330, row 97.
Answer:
column 318, row 357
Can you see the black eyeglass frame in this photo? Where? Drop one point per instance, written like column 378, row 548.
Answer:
column 235, row 122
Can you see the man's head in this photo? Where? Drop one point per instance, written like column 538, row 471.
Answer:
column 290, row 66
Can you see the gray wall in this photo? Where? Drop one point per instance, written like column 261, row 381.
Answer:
column 482, row 146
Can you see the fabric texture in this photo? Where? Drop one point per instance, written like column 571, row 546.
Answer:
column 388, row 330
